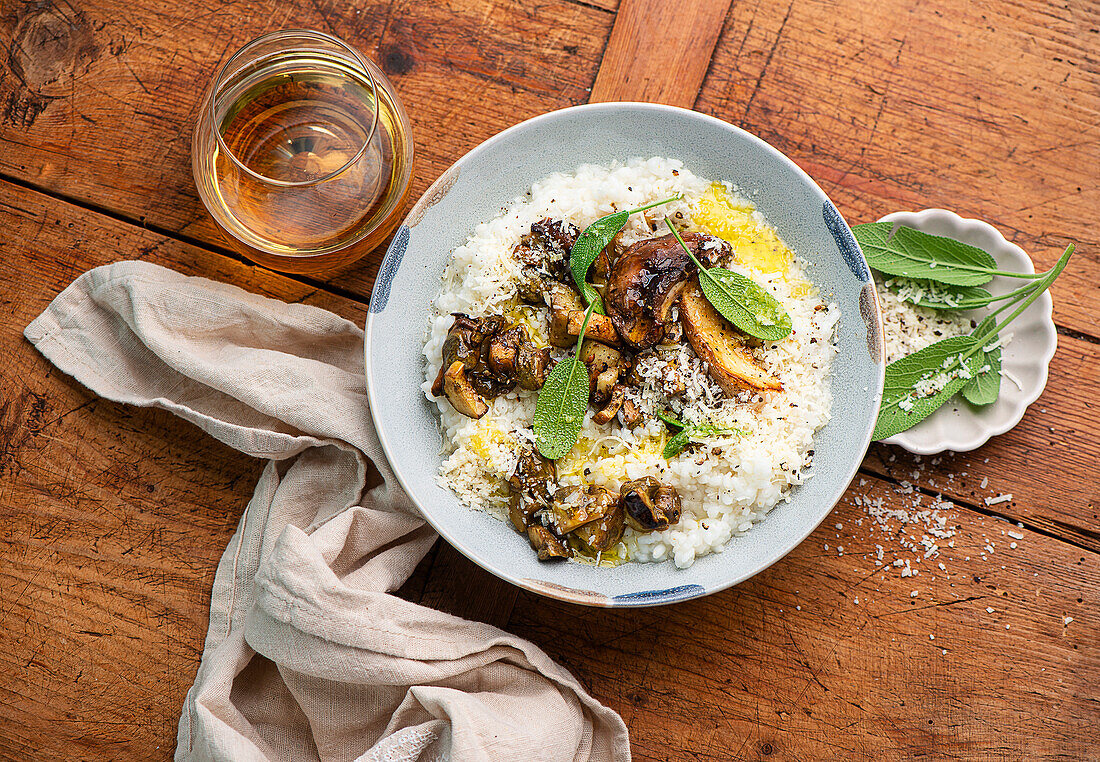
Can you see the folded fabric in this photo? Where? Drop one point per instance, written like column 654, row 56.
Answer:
column 308, row 657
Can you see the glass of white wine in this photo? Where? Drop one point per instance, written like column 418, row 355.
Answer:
column 302, row 152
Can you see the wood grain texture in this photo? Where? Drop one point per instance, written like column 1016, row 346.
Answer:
column 104, row 113
column 827, row 655
column 1047, row 462
column 112, row 518
column 659, row 51
column 987, row 109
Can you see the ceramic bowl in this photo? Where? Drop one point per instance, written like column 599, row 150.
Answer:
column 958, row 425
column 502, row 168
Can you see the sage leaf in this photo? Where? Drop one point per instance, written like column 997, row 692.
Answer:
column 592, row 241
column 562, row 403
column 985, row 387
column 745, row 304
column 671, row 420
column 740, row 300
column 676, row 444
column 592, row 296
column 952, row 363
column 905, row 402
column 940, row 296
column 914, row 254
column 560, row 409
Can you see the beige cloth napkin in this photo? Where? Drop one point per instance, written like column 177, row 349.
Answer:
column 307, row 656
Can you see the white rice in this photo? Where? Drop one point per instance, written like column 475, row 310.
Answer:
column 726, row 483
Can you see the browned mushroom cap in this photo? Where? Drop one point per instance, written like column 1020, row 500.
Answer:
column 548, row 546
column 576, row 506
column 514, row 357
column 463, row 343
column 603, row 365
column 602, row 534
column 646, row 281
column 631, row 414
column 609, row 410
column 461, row 394
column 533, row 483
column 650, row 505
column 555, row 236
column 715, row 340
column 544, row 253
column 533, row 365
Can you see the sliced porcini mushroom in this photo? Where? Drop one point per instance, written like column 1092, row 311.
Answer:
column 721, row 346
column 599, row 328
column 577, row 506
column 611, row 408
column 533, row 483
column 548, row 546
column 646, row 280
column 557, row 237
column 562, row 300
column 649, row 505
column 630, row 414
column 603, row 534
column 511, row 355
column 460, row 393
column 603, row 365
column 463, row 343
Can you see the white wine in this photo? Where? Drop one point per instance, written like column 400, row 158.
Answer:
column 311, row 170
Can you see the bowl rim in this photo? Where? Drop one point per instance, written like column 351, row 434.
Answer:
column 434, row 193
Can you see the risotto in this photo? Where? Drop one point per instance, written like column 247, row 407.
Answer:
column 747, row 432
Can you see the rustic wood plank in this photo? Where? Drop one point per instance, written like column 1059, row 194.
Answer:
column 103, row 114
column 112, row 519
column 458, row 586
column 988, row 110
column 659, row 51
column 1049, row 463
column 827, row 656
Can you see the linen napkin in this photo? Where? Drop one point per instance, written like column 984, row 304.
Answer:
column 308, row 657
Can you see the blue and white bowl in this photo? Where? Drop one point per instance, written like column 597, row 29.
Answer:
column 485, row 180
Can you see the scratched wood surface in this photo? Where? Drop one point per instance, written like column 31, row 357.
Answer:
column 113, row 519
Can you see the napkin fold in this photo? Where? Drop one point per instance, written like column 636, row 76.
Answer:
column 307, row 656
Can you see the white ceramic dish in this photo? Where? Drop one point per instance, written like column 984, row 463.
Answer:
column 958, row 425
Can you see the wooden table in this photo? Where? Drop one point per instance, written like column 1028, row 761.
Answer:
column 113, row 518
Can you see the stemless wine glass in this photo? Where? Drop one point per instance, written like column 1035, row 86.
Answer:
column 302, row 152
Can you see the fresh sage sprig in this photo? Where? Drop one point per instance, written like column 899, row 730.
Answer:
column 562, row 402
column 592, row 241
column 689, row 431
column 919, row 384
column 740, row 300
column 941, row 296
column 985, row 387
column 914, row 254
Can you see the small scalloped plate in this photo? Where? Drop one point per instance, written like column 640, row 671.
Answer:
column 958, row 425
